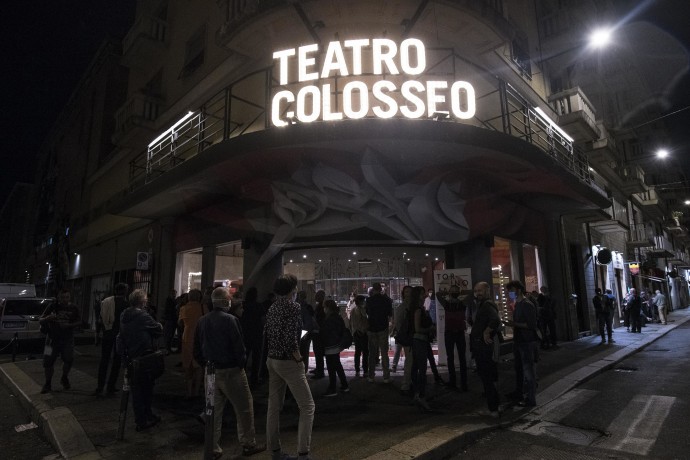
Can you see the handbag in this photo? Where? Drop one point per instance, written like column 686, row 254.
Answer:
column 152, row 363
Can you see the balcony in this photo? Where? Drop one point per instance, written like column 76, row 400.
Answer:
column 632, row 177
column 144, row 42
column 641, row 236
column 576, row 114
column 241, row 16
column 652, row 204
column 139, row 111
column 602, row 150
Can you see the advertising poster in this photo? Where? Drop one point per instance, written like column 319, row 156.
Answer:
column 443, row 280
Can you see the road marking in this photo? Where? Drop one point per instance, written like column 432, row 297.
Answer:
column 637, row 427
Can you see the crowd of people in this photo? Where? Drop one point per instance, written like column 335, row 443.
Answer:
column 251, row 343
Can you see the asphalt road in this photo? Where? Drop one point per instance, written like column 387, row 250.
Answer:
column 638, row 409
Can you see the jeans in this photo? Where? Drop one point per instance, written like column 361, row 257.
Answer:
column 108, row 349
column 396, row 355
column 253, row 346
column 52, row 350
column 662, row 314
column 281, row 375
column 317, row 344
column 453, row 340
column 528, row 380
column 142, row 397
column 335, row 368
column 488, row 372
column 419, row 351
column 605, row 322
column 232, row 385
column 304, row 344
column 361, row 351
column 378, row 343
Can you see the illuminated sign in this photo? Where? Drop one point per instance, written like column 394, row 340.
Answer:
column 383, row 98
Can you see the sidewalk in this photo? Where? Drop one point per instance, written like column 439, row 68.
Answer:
column 372, row 421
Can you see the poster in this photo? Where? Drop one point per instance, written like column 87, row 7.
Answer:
column 443, row 280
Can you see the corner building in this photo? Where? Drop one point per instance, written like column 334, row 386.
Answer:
column 328, row 139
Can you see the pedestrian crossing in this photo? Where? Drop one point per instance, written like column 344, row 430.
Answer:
column 634, row 430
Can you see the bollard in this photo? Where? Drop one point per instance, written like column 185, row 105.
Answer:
column 15, row 346
column 210, row 389
column 124, row 402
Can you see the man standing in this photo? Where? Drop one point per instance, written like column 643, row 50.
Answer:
column 606, row 319
column 219, row 340
column 137, row 333
column 598, row 302
column 547, row 307
column 61, row 318
column 525, row 339
column 111, row 309
column 635, row 308
column 430, row 304
column 169, row 319
column 482, row 337
column 286, row 369
column 660, row 302
column 379, row 310
column 454, row 336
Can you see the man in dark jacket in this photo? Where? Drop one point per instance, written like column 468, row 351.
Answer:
column 136, row 339
column 454, row 335
column 219, row 340
column 525, row 340
column 379, row 309
column 61, row 319
column 635, row 308
column 111, row 310
column 483, row 340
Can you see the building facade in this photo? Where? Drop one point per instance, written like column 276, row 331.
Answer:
column 355, row 142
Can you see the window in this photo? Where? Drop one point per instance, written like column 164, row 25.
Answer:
column 520, row 55
column 194, row 52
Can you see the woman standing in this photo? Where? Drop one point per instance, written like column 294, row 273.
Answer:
column 332, row 336
column 189, row 316
column 423, row 328
column 359, row 323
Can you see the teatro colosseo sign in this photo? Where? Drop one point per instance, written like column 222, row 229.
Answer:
column 383, row 79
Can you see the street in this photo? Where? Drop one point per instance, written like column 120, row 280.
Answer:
column 637, row 409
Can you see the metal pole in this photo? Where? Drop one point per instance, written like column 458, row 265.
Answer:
column 15, row 346
column 210, row 389
column 124, row 402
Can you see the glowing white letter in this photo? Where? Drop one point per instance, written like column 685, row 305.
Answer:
column 302, row 116
column 282, row 57
column 414, row 99
column 327, row 115
column 363, row 99
column 304, row 62
column 455, row 100
column 378, row 93
column 405, row 56
column 275, row 108
column 432, row 98
column 334, row 53
column 357, row 46
column 379, row 57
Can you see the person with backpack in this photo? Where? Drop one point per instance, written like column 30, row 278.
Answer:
column 332, row 331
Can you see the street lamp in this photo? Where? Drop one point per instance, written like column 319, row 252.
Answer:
column 600, row 38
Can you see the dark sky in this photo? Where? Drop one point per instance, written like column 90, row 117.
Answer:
column 47, row 45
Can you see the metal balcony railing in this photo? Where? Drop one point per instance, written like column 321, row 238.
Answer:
column 242, row 107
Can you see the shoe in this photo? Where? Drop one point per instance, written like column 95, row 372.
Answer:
column 46, row 389
column 394, row 368
column 97, row 392
column 146, row 426
column 612, row 341
column 330, row 393
column 248, row 451
column 345, row 389
column 603, row 341
column 421, row 402
column 525, row 403
column 386, row 380
column 65, row 382
column 439, row 381
column 313, row 371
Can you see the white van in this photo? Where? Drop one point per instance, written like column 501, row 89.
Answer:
column 20, row 310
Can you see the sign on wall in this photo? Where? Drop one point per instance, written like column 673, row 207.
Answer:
column 386, row 96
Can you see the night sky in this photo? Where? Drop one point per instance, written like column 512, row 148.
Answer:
column 47, row 46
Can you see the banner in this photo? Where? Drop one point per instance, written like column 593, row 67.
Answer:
column 443, row 280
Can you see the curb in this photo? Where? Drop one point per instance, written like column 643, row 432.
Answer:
column 59, row 425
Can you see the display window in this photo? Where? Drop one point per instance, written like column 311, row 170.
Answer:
column 228, row 271
column 343, row 271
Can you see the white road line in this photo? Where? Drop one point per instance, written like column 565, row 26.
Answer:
column 637, row 427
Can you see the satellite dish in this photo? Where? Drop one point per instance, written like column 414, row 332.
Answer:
column 604, row 256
